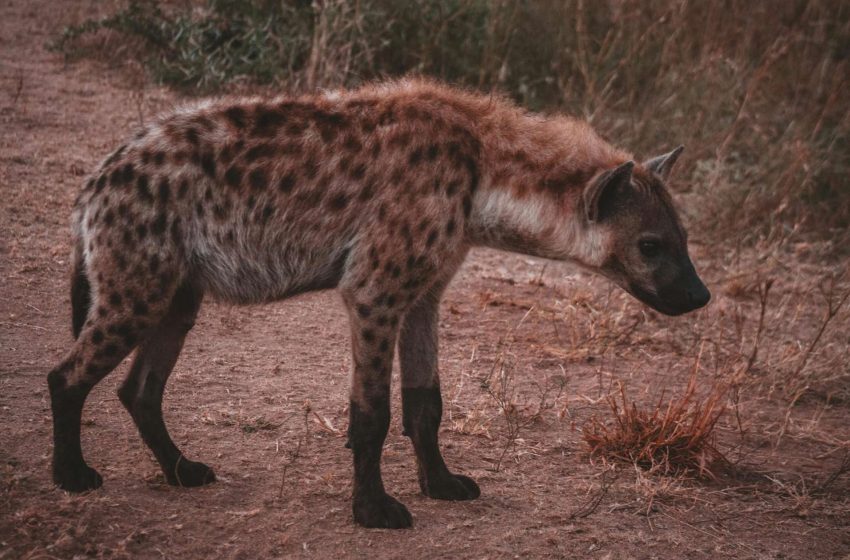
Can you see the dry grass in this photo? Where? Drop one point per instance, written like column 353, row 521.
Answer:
column 672, row 439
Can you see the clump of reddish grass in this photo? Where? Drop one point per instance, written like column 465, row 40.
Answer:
column 676, row 438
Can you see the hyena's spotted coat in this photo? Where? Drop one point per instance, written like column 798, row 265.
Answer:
column 378, row 192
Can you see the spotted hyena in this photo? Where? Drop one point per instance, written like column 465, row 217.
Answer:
column 378, row 192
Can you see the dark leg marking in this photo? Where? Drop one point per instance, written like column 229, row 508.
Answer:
column 423, row 409
column 372, row 506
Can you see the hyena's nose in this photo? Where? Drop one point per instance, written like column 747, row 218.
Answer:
column 698, row 294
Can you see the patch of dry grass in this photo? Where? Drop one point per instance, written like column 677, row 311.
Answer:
column 675, row 437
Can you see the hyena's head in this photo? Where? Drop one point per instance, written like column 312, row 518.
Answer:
column 645, row 245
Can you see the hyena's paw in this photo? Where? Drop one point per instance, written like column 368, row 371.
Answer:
column 381, row 511
column 450, row 487
column 77, row 478
column 189, row 474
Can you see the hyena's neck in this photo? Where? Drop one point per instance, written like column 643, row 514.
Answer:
column 534, row 170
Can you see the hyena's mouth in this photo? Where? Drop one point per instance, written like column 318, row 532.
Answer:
column 656, row 302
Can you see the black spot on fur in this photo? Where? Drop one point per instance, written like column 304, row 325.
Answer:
column 338, row 202
column 268, row 211
column 109, row 217
column 384, row 346
column 142, row 188
column 124, row 330
column 183, row 189
column 358, row 172
column 175, row 231
column 163, row 190
column 233, row 176
column 329, row 124
column 415, row 157
column 352, row 144
column 128, row 172
column 110, row 349
column 159, row 158
column 467, row 206
column 432, row 238
column 450, row 227
column 97, row 336
column 140, row 308
column 264, row 150
column 344, row 164
column 192, row 136
column 208, row 164
column 257, row 178
column 368, row 335
column 472, row 169
column 452, row 187
column 366, row 192
column 286, row 183
column 432, row 152
column 377, row 363
column 267, row 121
column 158, row 225
column 199, row 209
column 236, row 115
column 115, row 299
column 141, row 231
column 101, row 182
column 311, row 168
column 364, row 310
column 153, row 264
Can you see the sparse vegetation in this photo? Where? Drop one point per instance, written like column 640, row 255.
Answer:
column 672, row 438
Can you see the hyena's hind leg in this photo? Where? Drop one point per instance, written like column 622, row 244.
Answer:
column 143, row 389
column 113, row 328
column 422, row 404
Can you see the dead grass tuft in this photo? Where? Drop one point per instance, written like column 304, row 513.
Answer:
column 675, row 438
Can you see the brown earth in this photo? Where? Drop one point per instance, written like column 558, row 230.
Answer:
column 260, row 393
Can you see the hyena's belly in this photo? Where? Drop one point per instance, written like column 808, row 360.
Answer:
column 242, row 271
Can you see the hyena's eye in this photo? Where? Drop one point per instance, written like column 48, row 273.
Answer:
column 649, row 248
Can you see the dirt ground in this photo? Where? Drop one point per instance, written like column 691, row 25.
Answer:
column 260, row 393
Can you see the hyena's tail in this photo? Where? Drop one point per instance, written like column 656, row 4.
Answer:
column 80, row 289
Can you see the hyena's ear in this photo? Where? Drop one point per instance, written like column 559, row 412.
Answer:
column 662, row 165
column 596, row 193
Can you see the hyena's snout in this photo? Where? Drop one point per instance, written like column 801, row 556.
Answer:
column 687, row 293
column 696, row 291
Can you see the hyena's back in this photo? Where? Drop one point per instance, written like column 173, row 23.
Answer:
column 256, row 200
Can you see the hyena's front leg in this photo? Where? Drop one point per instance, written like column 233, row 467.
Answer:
column 373, row 335
column 423, row 404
